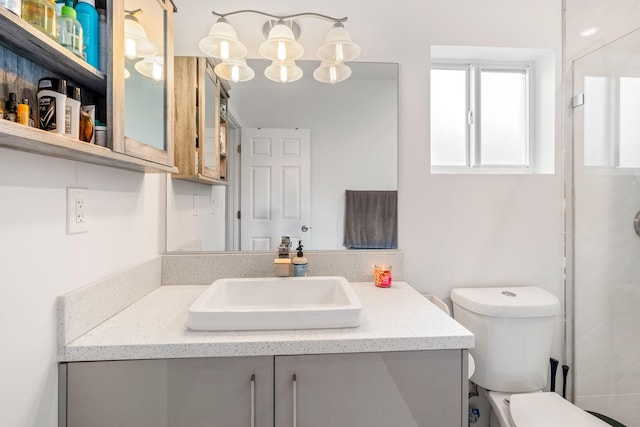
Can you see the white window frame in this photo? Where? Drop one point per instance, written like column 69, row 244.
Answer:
column 473, row 70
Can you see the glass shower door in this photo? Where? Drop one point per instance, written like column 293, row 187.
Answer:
column 605, row 246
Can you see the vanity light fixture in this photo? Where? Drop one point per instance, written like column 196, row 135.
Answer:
column 136, row 42
column 222, row 42
column 281, row 47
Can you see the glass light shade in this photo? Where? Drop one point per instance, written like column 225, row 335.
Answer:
column 136, row 42
column 127, row 74
column 152, row 67
column 283, row 71
column 235, row 70
column 331, row 72
column 222, row 42
column 338, row 46
column 281, row 45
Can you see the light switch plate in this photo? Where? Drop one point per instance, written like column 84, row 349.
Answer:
column 77, row 211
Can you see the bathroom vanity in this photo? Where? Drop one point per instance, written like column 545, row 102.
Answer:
column 405, row 365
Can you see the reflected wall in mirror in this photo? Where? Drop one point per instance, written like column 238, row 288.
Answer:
column 353, row 129
column 145, row 74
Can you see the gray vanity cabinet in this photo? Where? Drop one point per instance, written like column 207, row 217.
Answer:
column 400, row 389
column 169, row 393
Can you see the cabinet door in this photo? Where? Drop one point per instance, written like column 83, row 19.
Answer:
column 399, row 389
column 140, row 87
column 171, row 392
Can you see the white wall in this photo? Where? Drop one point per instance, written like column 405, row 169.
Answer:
column 40, row 261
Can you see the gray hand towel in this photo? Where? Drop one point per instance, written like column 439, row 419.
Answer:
column 371, row 219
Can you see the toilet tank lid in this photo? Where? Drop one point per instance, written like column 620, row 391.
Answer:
column 512, row 301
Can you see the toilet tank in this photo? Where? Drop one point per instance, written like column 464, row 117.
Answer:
column 513, row 328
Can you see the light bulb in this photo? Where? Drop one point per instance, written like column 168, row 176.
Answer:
column 130, row 48
column 339, row 53
column 235, row 74
column 282, row 51
column 283, row 74
column 333, row 76
column 156, row 71
column 224, row 50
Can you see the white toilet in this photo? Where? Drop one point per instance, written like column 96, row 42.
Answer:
column 513, row 327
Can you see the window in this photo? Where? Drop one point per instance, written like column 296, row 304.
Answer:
column 481, row 116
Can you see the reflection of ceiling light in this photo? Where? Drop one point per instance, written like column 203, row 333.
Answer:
column 136, row 42
column 127, row 74
column 283, row 71
column 589, row 31
column 331, row 72
column 152, row 67
column 282, row 48
column 235, row 70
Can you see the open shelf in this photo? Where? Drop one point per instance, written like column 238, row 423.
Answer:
column 201, row 179
column 32, row 140
column 17, row 35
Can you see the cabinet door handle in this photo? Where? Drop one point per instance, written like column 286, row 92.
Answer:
column 253, row 400
column 295, row 388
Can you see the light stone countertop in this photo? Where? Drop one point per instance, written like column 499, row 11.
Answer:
column 393, row 319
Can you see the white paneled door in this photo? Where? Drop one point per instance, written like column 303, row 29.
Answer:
column 275, row 187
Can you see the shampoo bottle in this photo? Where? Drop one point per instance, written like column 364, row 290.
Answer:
column 88, row 17
column 300, row 262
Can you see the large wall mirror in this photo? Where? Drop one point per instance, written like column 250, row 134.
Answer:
column 352, row 128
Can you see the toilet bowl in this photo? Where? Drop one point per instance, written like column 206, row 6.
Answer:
column 513, row 328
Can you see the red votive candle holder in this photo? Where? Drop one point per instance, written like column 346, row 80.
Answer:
column 382, row 275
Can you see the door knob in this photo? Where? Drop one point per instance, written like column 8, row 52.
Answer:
column 305, row 228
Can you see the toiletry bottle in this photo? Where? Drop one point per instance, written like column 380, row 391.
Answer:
column 88, row 17
column 42, row 15
column 11, row 108
column 70, row 30
column 300, row 262
column 23, row 113
column 87, row 117
column 58, row 7
column 102, row 40
column 14, row 6
column 52, row 102
column 72, row 112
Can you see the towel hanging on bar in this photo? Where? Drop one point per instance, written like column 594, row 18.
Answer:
column 371, row 219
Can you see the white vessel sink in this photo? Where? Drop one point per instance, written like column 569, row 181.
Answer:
column 276, row 303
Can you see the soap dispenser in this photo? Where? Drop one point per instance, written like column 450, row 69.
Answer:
column 300, row 262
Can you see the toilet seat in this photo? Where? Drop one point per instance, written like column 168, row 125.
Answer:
column 548, row 409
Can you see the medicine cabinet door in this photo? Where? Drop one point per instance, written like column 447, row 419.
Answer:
column 142, row 80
